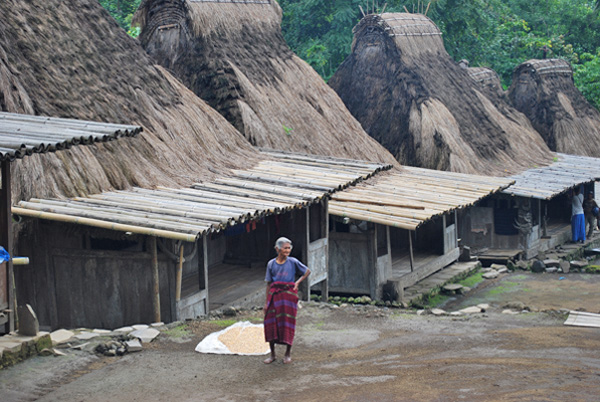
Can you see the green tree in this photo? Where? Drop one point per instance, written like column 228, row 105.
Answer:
column 122, row 11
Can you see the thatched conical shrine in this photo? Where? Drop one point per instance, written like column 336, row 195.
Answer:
column 406, row 91
column 233, row 55
column 545, row 92
column 69, row 58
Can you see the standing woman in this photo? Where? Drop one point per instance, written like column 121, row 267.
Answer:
column 577, row 218
column 281, row 303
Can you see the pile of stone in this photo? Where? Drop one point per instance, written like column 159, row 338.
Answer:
column 106, row 342
column 493, row 271
column 480, row 308
column 552, row 265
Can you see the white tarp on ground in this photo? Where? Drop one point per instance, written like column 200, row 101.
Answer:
column 241, row 338
column 583, row 319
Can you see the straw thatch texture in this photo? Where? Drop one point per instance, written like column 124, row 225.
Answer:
column 69, row 58
column 23, row 135
column 544, row 91
column 488, row 81
column 284, row 182
column 406, row 91
column 547, row 182
column 409, row 198
column 233, row 55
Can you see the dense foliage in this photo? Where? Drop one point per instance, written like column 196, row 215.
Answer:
column 498, row 34
column 494, row 33
column 122, row 11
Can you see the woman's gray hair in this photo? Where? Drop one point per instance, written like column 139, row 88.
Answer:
column 281, row 241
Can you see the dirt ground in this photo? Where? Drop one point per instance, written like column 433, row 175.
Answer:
column 359, row 354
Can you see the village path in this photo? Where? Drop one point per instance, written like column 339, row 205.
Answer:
column 357, row 354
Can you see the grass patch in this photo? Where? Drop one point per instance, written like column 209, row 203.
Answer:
column 472, row 280
column 505, row 287
column 224, row 323
column 592, row 269
column 180, row 331
column 434, row 300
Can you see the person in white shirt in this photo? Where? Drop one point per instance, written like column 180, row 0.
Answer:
column 577, row 217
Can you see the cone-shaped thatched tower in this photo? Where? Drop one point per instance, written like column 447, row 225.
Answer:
column 544, row 91
column 233, row 55
column 407, row 93
column 69, row 58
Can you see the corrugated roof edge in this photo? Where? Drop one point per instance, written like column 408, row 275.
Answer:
column 40, row 132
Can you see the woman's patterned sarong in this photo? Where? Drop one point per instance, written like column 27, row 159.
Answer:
column 280, row 319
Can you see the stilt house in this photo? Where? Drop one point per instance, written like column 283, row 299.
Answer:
column 399, row 227
column 532, row 215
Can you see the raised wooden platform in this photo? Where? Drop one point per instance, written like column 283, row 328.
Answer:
column 498, row 256
column 230, row 283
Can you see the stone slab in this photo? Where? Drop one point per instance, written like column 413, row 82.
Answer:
column 124, row 330
column 484, row 307
column 146, row 335
column 470, row 310
column 490, row 275
column 497, row 266
column 133, row 345
column 28, row 321
column 61, row 336
column 86, row 335
column 138, row 327
column 551, row 263
column 579, row 264
column 102, row 331
column 438, row 311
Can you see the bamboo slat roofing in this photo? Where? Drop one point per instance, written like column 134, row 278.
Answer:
column 547, row 182
column 22, row 135
column 412, row 196
column 280, row 183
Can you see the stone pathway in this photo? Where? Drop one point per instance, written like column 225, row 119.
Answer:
column 439, row 279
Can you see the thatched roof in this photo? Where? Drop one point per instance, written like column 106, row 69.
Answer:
column 406, row 91
column 410, row 197
column 233, row 55
column 275, row 186
column 544, row 91
column 488, row 81
column 23, row 135
column 70, row 59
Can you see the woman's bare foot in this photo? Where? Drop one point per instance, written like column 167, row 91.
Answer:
column 287, row 360
column 269, row 360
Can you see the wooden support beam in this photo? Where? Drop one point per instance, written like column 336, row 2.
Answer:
column 155, row 279
column 205, row 266
column 179, row 275
column 6, row 241
column 410, row 247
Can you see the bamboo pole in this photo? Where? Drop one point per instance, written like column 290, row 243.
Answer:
column 155, row 279
column 104, row 224
column 179, row 275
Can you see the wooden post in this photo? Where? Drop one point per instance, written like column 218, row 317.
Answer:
column 410, row 248
column 325, row 232
column 445, row 234
column 372, row 258
column 205, row 265
column 6, row 242
column 545, row 226
column 455, row 229
column 305, row 253
column 155, row 279
column 179, row 275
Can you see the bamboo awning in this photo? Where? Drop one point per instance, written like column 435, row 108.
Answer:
column 409, row 197
column 547, row 182
column 22, row 135
column 279, row 183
